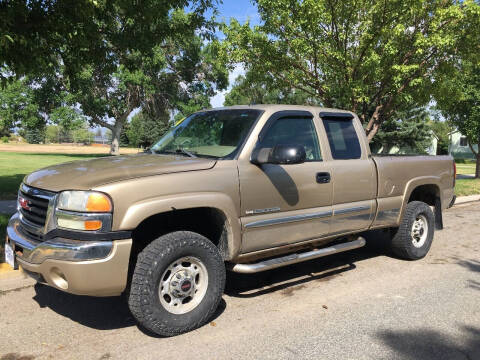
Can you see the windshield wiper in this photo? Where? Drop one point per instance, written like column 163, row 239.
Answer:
column 176, row 151
column 186, row 152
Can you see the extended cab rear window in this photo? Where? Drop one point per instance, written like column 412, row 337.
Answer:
column 342, row 138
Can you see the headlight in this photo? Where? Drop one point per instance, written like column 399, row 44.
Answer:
column 84, row 210
column 84, row 201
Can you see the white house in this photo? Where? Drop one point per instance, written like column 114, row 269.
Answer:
column 458, row 147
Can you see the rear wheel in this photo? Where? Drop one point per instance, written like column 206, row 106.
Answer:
column 177, row 283
column 414, row 236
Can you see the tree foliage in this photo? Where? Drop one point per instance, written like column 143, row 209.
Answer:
column 372, row 57
column 18, row 109
column 458, row 98
column 256, row 89
column 67, row 118
column 442, row 130
column 39, row 36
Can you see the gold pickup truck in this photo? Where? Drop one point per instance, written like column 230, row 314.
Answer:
column 244, row 188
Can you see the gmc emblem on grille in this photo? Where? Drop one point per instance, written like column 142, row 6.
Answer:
column 24, row 203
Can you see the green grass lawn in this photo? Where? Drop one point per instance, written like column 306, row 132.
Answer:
column 467, row 169
column 467, row 187
column 14, row 166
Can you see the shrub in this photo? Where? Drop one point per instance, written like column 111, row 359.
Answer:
column 5, row 139
column 464, row 161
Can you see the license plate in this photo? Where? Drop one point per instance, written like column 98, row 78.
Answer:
column 9, row 256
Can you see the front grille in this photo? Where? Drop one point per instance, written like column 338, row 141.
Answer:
column 29, row 234
column 37, row 201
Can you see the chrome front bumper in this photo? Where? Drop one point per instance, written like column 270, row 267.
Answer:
column 36, row 252
column 95, row 268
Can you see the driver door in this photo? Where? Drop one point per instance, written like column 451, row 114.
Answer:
column 284, row 204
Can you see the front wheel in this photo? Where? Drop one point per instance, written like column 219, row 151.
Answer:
column 414, row 236
column 177, row 283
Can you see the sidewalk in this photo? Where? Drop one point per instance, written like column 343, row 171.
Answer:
column 8, row 206
column 465, row 176
column 467, row 199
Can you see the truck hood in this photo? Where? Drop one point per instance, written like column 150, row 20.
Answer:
column 87, row 174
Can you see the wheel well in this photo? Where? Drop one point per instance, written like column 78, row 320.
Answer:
column 207, row 221
column 429, row 194
column 425, row 193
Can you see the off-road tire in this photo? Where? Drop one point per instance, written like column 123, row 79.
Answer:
column 144, row 300
column 402, row 241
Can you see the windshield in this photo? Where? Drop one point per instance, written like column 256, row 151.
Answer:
column 217, row 133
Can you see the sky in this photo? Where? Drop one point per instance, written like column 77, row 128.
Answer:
column 242, row 10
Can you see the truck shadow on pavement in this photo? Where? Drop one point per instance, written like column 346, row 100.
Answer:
column 428, row 344
column 290, row 278
column 474, row 266
column 100, row 313
column 105, row 313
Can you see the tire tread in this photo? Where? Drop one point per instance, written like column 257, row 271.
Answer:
column 142, row 283
column 401, row 244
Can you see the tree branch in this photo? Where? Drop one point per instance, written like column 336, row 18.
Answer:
column 102, row 123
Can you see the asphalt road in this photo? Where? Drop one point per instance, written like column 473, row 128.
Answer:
column 357, row 305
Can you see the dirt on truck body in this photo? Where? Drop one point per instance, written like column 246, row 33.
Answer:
column 244, row 188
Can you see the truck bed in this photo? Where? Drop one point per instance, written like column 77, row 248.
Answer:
column 396, row 174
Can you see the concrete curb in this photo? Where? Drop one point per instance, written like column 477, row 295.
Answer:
column 11, row 280
column 467, row 199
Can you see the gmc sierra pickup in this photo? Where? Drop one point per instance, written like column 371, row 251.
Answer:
column 244, row 188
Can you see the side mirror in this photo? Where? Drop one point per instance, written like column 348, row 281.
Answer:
column 279, row 154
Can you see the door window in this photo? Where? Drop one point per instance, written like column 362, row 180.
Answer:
column 342, row 138
column 293, row 131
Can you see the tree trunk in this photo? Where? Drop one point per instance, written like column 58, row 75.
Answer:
column 477, row 167
column 373, row 124
column 373, row 131
column 477, row 157
column 115, row 145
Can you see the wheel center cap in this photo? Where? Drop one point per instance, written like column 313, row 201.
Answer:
column 186, row 286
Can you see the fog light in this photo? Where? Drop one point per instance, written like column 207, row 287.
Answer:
column 93, row 225
column 58, row 278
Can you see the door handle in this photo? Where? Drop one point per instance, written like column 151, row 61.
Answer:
column 323, row 177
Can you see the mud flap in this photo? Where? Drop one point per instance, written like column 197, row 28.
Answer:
column 438, row 214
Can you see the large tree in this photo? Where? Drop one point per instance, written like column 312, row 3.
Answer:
column 374, row 57
column 458, row 98
column 114, row 56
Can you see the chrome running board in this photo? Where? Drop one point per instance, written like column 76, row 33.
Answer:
column 296, row 258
